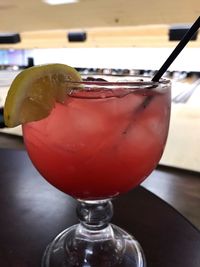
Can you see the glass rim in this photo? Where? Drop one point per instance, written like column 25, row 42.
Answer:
column 142, row 82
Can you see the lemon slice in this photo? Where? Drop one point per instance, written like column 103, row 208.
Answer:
column 33, row 92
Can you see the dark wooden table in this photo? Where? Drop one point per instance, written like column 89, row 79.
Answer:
column 33, row 213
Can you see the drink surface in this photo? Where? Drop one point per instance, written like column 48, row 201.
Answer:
column 99, row 144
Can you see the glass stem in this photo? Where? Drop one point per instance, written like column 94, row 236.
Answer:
column 94, row 217
column 94, row 242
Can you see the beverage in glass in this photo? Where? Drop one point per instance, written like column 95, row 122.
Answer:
column 105, row 138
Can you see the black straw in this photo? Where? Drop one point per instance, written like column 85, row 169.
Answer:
column 186, row 38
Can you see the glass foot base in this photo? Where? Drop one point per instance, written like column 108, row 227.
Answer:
column 79, row 247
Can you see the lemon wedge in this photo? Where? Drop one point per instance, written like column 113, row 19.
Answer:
column 34, row 91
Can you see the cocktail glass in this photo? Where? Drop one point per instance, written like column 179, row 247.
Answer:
column 103, row 140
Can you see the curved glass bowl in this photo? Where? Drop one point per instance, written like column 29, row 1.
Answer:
column 103, row 140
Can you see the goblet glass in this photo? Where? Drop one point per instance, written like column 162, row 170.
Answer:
column 103, row 140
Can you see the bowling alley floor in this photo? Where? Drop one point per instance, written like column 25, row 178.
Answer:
column 179, row 188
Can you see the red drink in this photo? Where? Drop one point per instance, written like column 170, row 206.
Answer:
column 100, row 143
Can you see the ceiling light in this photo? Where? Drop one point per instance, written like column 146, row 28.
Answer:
column 60, row 2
